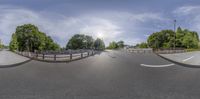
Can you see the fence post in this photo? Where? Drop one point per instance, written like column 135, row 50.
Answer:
column 81, row 55
column 54, row 57
column 43, row 56
column 70, row 56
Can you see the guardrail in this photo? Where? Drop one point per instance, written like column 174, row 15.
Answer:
column 157, row 51
column 57, row 57
column 140, row 50
column 170, row 51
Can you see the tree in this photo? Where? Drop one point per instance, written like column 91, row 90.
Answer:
column 189, row 40
column 1, row 45
column 14, row 43
column 49, row 44
column 120, row 44
column 165, row 39
column 162, row 39
column 29, row 38
column 179, row 37
column 142, row 45
column 113, row 45
column 99, row 44
column 89, row 42
column 80, row 41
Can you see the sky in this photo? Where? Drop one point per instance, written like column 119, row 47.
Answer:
column 111, row 20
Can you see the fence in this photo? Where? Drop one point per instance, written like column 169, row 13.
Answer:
column 169, row 51
column 140, row 50
column 58, row 56
column 158, row 51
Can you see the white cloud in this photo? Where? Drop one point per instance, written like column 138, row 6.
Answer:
column 109, row 25
column 185, row 10
column 190, row 16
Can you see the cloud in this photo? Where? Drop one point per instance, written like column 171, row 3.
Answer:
column 185, row 10
column 190, row 17
column 110, row 25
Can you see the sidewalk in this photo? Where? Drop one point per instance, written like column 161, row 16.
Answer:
column 191, row 58
column 10, row 58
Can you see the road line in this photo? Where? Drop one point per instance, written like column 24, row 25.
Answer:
column 187, row 59
column 167, row 65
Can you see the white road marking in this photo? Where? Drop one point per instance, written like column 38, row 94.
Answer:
column 167, row 65
column 187, row 59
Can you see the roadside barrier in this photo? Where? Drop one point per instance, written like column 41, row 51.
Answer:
column 157, row 51
column 169, row 51
column 58, row 57
column 140, row 50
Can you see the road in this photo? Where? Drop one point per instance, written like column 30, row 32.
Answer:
column 107, row 75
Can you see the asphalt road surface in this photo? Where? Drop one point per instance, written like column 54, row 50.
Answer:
column 108, row 75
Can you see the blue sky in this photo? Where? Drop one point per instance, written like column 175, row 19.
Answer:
column 112, row 20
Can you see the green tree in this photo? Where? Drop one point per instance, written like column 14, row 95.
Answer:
column 29, row 38
column 99, row 44
column 89, row 42
column 14, row 43
column 162, row 39
column 113, row 45
column 80, row 41
column 1, row 45
column 165, row 39
column 143, row 45
column 190, row 40
column 179, row 37
column 120, row 44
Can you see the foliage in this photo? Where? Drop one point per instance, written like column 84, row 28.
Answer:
column 166, row 39
column 116, row 45
column 190, row 40
column 162, row 39
column 120, row 44
column 1, row 45
column 14, row 43
column 142, row 45
column 99, row 44
column 28, row 38
column 113, row 45
column 80, row 41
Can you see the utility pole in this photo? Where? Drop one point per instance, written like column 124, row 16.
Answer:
column 174, row 34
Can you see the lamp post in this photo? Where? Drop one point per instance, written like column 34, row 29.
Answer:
column 174, row 34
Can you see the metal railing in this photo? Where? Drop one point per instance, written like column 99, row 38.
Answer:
column 169, row 50
column 140, row 50
column 158, row 51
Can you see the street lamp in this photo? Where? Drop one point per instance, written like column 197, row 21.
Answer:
column 174, row 34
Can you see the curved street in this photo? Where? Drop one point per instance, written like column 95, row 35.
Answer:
column 107, row 75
